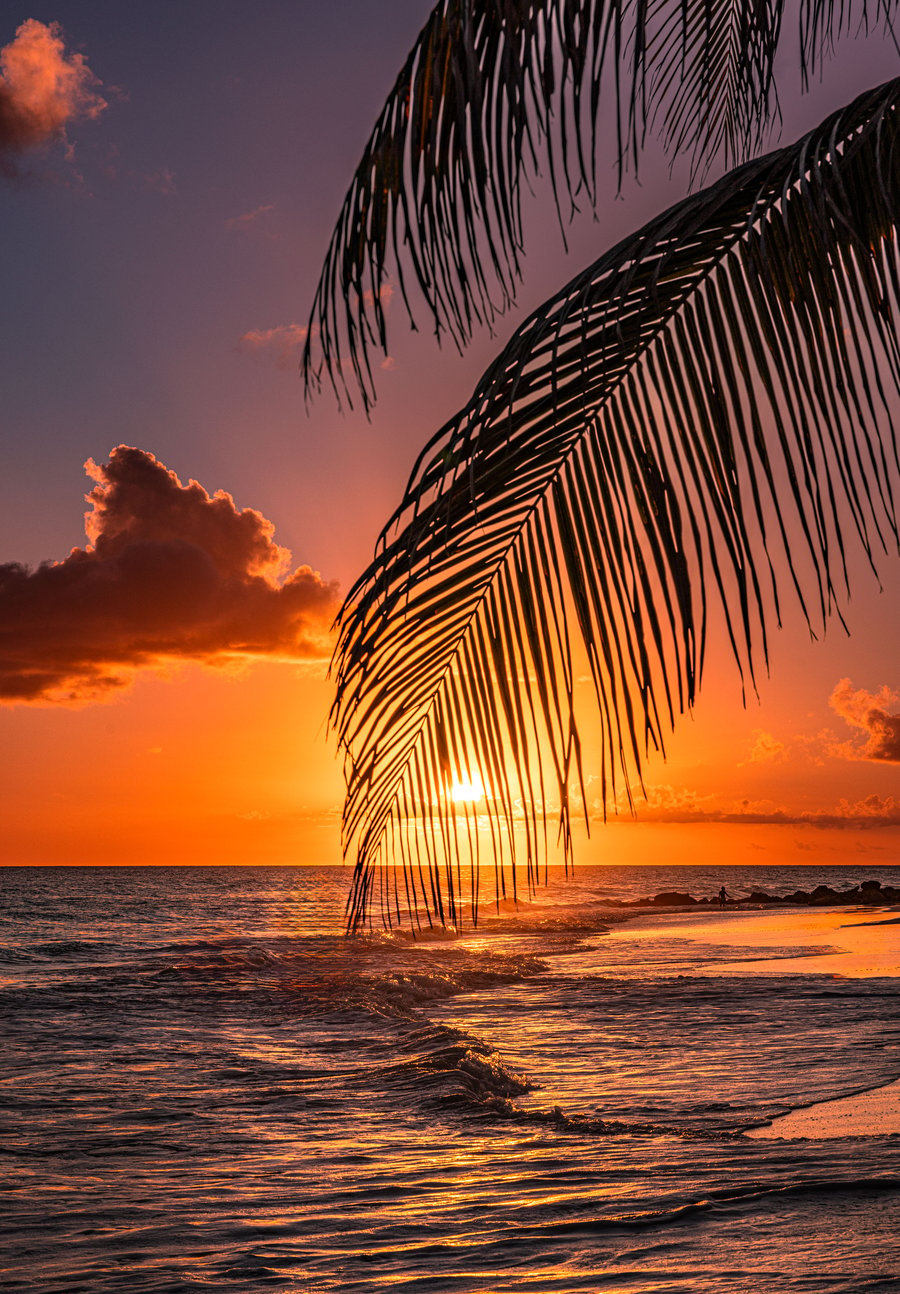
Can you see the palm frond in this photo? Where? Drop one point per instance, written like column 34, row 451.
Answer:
column 710, row 68
column 822, row 22
column 493, row 92
column 439, row 182
column 698, row 422
column 494, row 89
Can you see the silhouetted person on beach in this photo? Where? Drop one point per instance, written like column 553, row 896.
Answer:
column 723, row 897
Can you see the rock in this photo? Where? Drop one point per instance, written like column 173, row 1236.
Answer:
column 822, row 896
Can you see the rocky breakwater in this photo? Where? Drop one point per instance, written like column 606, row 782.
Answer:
column 869, row 892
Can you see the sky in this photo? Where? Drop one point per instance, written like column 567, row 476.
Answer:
column 177, row 527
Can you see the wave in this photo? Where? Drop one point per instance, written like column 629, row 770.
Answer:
column 401, row 993
column 726, row 1201
column 380, row 977
column 587, row 1125
column 55, row 949
column 449, row 1068
column 452, row 1069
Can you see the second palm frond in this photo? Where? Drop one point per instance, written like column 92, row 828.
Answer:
column 698, row 423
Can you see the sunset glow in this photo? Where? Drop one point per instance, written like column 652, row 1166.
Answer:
column 162, row 677
column 467, row 790
column 449, row 646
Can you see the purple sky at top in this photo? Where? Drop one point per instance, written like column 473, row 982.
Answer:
column 127, row 284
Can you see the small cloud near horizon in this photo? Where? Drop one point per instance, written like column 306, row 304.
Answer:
column 281, row 344
column 670, row 804
column 170, row 574
column 42, row 90
column 870, row 712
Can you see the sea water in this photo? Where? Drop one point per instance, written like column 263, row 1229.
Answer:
column 205, row 1085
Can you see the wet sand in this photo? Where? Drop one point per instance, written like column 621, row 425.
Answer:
column 867, row 1114
column 861, row 943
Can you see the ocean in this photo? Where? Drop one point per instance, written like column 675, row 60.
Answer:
column 206, row 1086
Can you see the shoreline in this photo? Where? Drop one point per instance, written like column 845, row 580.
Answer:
column 865, row 946
column 807, row 940
column 869, row 1112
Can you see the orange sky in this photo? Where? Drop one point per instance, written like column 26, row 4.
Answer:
column 164, row 271
column 234, row 765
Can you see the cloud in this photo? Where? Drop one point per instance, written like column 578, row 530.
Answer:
column 162, row 181
column 873, row 807
column 170, row 573
column 666, row 803
column 42, row 90
column 245, row 222
column 869, row 712
column 671, row 803
column 766, row 749
column 385, row 295
column 281, row 344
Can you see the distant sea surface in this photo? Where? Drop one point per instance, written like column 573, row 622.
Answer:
column 205, row 1086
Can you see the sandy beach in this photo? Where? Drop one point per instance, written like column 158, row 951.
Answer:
column 856, row 943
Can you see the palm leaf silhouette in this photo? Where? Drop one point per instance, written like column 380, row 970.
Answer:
column 698, row 422
column 494, row 90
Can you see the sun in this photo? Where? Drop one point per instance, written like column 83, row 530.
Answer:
column 467, row 790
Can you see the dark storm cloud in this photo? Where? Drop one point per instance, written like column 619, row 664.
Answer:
column 170, row 574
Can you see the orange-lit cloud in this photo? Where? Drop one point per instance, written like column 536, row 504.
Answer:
column 682, row 805
column 284, row 342
column 875, row 807
column 42, row 90
column 241, row 224
column 671, row 803
column 868, row 711
column 766, row 749
column 170, row 574
column 281, row 344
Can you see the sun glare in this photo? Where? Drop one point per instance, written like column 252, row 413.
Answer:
column 467, row 790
